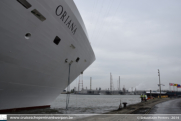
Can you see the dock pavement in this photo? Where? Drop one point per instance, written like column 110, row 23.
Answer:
column 130, row 113
column 168, row 107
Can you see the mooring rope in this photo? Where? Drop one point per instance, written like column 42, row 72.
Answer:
column 76, row 92
column 68, row 89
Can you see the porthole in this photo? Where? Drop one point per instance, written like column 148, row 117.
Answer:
column 77, row 60
column 27, row 36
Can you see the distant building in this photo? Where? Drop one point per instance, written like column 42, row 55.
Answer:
column 124, row 90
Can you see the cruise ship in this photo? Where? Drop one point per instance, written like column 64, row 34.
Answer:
column 40, row 40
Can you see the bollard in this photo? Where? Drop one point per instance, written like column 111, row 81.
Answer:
column 124, row 103
column 120, row 106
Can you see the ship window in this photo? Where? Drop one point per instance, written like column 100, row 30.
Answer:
column 24, row 3
column 38, row 15
column 56, row 40
column 77, row 60
column 27, row 36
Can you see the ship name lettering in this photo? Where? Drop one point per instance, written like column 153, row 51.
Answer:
column 66, row 19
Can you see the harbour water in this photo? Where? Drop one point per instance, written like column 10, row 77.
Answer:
column 86, row 104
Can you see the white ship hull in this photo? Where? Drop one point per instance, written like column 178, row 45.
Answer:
column 33, row 71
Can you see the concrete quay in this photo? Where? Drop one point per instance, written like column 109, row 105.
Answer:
column 140, row 108
column 130, row 113
column 168, row 107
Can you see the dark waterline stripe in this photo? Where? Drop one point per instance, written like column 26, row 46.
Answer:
column 23, row 108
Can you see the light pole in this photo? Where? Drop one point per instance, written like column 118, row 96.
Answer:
column 159, row 82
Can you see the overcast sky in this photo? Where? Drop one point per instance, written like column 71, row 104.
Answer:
column 132, row 39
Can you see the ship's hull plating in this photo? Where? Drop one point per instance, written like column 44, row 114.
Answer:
column 33, row 71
